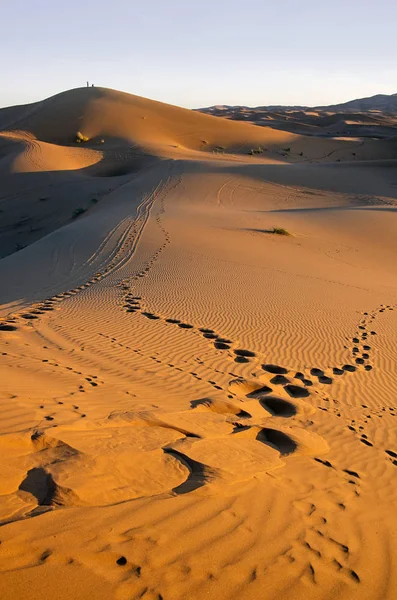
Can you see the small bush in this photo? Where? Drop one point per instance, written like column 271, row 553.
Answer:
column 78, row 211
column 254, row 151
column 81, row 138
column 94, row 200
column 287, row 149
column 279, row 231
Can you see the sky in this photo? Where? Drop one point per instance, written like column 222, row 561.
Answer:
column 197, row 54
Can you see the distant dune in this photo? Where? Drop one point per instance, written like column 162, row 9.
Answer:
column 198, row 332
column 374, row 117
column 381, row 102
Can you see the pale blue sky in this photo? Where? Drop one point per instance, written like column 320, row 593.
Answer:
column 200, row 53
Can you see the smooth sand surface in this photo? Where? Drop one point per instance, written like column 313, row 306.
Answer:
column 193, row 406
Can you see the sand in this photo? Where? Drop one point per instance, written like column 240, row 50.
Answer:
column 194, row 406
column 368, row 118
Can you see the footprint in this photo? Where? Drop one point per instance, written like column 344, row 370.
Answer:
column 277, row 406
column 296, row 391
column 279, row 380
column 244, row 353
column 221, row 346
column 317, row 372
column 365, row 441
column 326, row 463
column 258, row 392
column 391, row 453
column 275, row 369
column 199, row 473
column 352, row 473
column 349, row 368
column 278, row 440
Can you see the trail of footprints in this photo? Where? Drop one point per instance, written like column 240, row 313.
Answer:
column 144, row 271
column 359, row 344
column 12, row 322
column 87, row 379
column 132, row 302
column 360, row 349
column 296, row 385
column 318, row 547
column 201, row 473
column 274, row 377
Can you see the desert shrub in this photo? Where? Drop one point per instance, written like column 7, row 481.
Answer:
column 279, row 231
column 287, row 149
column 254, row 151
column 78, row 211
column 81, row 138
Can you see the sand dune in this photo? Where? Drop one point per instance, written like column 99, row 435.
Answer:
column 191, row 404
column 374, row 117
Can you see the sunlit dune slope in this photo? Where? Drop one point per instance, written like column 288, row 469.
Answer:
column 101, row 112
column 109, row 118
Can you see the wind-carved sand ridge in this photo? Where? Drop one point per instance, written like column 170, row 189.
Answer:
column 191, row 405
